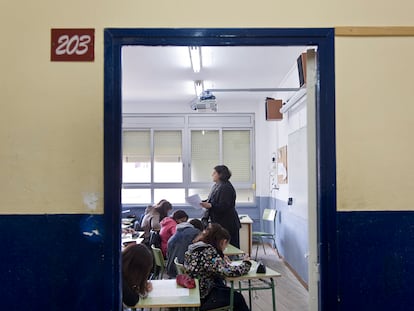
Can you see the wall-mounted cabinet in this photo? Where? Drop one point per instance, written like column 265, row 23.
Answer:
column 273, row 109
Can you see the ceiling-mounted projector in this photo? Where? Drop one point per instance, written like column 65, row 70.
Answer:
column 206, row 102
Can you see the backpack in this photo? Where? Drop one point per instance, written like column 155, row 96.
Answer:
column 155, row 239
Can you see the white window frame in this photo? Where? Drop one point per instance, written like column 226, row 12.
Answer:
column 187, row 123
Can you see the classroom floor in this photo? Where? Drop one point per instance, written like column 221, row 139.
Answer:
column 290, row 293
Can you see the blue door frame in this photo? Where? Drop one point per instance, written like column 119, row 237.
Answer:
column 323, row 38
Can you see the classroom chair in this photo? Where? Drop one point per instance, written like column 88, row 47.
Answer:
column 179, row 266
column 159, row 263
column 268, row 215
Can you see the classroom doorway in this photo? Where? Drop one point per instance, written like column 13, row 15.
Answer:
column 324, row 278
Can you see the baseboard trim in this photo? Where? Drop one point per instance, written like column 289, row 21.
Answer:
column 301, row 281
column 291, row 269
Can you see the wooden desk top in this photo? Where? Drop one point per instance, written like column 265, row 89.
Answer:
column 132, row 240
column 127, row 239
column 136, row 234
column 232, row 250
column 253, row 275
column 245, row 219
column 127, row 221
column 167, row 294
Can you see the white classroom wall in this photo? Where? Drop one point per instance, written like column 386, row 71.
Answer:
column 292, row 221
column 293, row 120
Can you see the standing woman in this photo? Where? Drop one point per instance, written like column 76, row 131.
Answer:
column 221, row 204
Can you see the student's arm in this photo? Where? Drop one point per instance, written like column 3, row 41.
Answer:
column 129, row 297
column 222, row 267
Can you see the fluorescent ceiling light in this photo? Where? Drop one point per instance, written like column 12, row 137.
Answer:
column 198, row 87
column 195, row 57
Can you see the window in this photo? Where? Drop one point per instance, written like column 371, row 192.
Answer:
column 205, row 154
column 236, row 153
column 171, row 157
column 136, row 164
column 168, row 164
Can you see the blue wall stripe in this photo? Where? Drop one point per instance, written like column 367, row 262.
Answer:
column 51, row 262
column 376, row 260
column 252, row 211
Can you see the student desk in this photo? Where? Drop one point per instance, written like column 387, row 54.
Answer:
column 129, row 235
column 232, row 250
column 125, row 241
column 127, row 238
column 167, row 294
column 266, row 282
column 127, row 221
column 246, row 234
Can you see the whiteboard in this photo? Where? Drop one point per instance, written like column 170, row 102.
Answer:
column 298, row 172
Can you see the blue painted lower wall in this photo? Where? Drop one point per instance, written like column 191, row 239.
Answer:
column 49, row 263
column 52, row 262
column 376, row 260
column 292, row 238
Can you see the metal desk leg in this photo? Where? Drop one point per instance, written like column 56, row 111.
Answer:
column 231, row 295
column 272, row 284
column 250, row 294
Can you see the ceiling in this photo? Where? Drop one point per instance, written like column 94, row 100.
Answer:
column 161, row 74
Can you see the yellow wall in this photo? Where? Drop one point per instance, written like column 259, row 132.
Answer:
column 51, row 114
column 375, row 127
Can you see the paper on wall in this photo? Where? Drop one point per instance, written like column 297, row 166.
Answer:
column 281, row 170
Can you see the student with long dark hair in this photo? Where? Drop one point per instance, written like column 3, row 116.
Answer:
column 136, row 267
column 205, row 261
column 221, row 204
column 152, row 218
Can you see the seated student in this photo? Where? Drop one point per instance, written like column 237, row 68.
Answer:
column 168, row 228
column 205, row 261
column 153, row 215
column 179, row 242
column 136, row 267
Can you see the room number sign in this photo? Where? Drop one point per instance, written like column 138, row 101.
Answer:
column 72, row 45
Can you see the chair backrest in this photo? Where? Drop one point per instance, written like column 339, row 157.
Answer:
column 158, row 257
column 137, row 224
column 269, row 214
column 179, row 266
